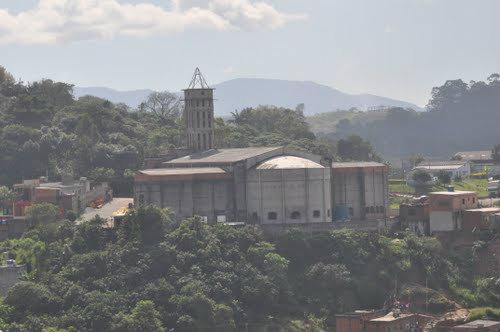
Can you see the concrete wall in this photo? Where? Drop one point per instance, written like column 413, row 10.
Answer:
column 443, row 221
column 199, row 117
column 292, row 195
column 208, row 198
column 364, row 193
column 9, row 276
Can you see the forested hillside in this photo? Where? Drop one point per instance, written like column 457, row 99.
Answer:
column 45, row 131
column 151, row 274
column 460, row 117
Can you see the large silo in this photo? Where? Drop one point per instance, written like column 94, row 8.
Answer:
column 289, row 189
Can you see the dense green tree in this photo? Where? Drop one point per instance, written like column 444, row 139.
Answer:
column 355, row 148
column 444, row 177
column 42, row 213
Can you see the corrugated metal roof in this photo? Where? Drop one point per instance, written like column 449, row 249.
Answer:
column 449, row 163
column 485, row 209
column 439, row 167
column 182, row 171
column 227, row 156
column 357, row 164
column 480, row 323
column 288, row 162
column 452, row 193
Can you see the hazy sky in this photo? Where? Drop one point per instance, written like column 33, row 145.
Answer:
column 394, row 48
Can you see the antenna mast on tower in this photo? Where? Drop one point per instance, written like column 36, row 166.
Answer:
column 198, row 79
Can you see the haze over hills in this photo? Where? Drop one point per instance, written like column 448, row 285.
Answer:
column 239, row 93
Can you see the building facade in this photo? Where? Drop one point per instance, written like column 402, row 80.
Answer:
column 447, row 209
column 360, row 191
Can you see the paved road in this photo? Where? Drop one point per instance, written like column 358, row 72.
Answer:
column 107, row 209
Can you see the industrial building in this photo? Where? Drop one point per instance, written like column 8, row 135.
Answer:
column 258, row 185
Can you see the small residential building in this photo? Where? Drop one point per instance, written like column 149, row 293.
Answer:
column 479, row 219
column 480, row 325
column 355, row 321
column 415, row 216
column 479, row 160
column 455, row 168
column 403, row 322
column 447, row 209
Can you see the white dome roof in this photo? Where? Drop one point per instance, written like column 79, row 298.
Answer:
column 288, row 162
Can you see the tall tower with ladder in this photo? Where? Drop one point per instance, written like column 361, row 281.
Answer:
column 199, row 114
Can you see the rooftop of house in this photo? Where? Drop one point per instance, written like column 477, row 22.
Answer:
column 485, row 209
column 474, row 155
column 439, row 167
column 357, row 164
column 479, row 323
column 442, row 162
column 222, row 156
column 390, row 317
column 452, row 193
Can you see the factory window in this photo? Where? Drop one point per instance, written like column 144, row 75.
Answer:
column 473, row 200
column 295, row 215
column 272, row 216
column 203, row 117
column 372, row 209
column 316, row 214
column 351, row 211
column 198, row 119
column 328, row 212
column 199, row 141
column 203, row 103
column 204, row 141
column 367, row 209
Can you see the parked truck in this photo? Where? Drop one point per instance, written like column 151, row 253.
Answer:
column 494, row 188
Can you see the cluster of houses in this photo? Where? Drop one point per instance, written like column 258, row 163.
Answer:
column 68, row 195
column 395, row 321
column 463, row 164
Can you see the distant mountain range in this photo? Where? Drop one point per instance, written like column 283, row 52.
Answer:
column 249, row 92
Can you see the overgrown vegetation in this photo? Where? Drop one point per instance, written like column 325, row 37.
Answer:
column 459, row 117
column 152, row 274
